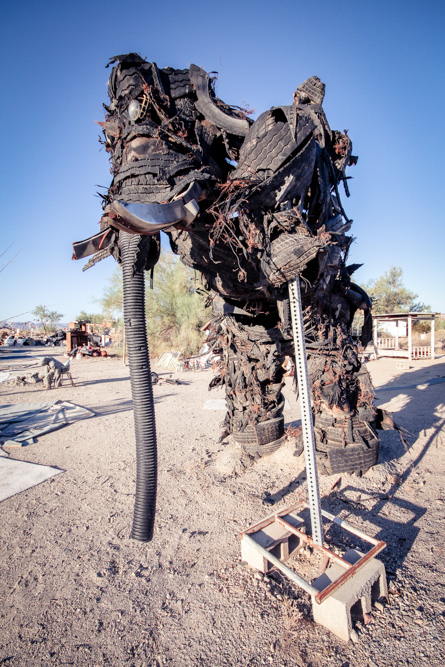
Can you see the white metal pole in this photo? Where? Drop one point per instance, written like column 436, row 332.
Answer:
column 410, row 338
column 306, row 409
column 433, row 355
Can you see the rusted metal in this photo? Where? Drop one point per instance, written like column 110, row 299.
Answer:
column 318, row 547
column 293, row 576
column 328, row 554
column 322, row 595
column 272, row 517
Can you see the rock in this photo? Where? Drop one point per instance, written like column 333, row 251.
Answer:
column 353, row 636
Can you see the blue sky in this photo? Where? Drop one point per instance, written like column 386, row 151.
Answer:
column 383, row 64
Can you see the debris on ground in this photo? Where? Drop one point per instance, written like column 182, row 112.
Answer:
column 17, row 476
column 22, row 422
column 75, row 587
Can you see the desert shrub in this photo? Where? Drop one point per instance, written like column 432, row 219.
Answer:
column 175, row 307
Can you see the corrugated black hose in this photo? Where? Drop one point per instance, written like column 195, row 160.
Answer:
column 141, row 389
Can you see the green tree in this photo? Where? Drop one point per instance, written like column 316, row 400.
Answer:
column 48, row 318
column 175, row 309
column 93, row 318
column 112, row 299
column 389, row 294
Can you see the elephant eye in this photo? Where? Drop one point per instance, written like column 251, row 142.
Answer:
column 134, row 110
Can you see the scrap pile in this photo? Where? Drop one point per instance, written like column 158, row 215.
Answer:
column 251, row 205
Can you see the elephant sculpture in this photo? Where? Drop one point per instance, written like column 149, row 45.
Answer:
column 250, row 205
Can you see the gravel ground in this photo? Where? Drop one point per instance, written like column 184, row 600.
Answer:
column 74, row 589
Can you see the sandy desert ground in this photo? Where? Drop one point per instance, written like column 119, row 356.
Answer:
column 76, row 590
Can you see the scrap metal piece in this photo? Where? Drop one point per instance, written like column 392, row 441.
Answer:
column 98, row 257
column 93, row 244
column 148, row 219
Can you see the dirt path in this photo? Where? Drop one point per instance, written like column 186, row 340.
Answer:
column 74, row 589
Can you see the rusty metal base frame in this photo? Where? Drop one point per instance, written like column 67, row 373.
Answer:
column 261, row 542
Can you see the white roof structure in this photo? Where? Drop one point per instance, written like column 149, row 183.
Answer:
column 389, row 347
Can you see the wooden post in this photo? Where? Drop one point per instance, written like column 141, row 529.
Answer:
column 433, row 324
column 410, row 337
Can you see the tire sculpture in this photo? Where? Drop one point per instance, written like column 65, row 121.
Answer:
column 250, row 205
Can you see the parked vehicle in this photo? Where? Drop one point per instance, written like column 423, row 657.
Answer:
column 56, row 339
column 30, row 341
column 39, row 341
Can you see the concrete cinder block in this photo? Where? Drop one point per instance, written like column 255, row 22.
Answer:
column 353, row 598
column 274, row 538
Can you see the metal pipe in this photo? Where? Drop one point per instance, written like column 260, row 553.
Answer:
column 347, row 526
column 280, row 566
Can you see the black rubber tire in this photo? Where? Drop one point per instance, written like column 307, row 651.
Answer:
column 289, row 255
column 206, row 105
column 262, row 433
column 271, row 142
column 353, row 458
column 247, row 437
column 263, row 450
column 266, row 146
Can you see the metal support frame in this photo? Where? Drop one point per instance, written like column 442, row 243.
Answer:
column 306, row 409
column 328, row 555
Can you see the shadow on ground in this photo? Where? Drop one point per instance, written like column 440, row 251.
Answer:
column 416, row 400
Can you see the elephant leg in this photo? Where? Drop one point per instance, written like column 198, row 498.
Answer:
column 344, row 416
column 252, row 374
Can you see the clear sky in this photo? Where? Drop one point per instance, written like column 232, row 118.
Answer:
column 384, row 68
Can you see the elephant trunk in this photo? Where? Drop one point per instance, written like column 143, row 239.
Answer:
column 141, row 389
